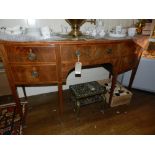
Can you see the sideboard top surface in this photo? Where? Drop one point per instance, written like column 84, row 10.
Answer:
column 92, row 41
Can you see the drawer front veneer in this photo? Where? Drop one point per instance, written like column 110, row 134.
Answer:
column 69, row 53
column 24, row 54
column 35, row 74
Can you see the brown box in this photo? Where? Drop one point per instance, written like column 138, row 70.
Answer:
column 118, row 97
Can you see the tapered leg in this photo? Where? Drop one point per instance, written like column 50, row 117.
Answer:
column 132, row 78
column 60, row 97
column 134, row 70
column 17, row 100
column 114, row 80
column 24, row 91
column 18, row 104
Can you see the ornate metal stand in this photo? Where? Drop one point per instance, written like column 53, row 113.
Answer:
column 87, row 93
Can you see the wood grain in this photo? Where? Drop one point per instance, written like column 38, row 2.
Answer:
column 134, row 119
column 54, row 60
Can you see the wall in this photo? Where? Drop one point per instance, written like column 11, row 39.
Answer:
column 56, row 23
column 87, row 74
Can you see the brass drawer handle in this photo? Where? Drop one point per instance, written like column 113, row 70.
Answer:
column 31, row 56
column 77, row 53
column 35, row 74
column 109, row 51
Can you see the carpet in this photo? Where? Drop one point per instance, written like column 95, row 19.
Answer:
column 10, row 121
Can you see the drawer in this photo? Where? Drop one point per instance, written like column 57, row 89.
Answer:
column 127, row 63
column 34, row 74
column 107, row 51
column 127, row 48
column 69, row 52
column 30, row 54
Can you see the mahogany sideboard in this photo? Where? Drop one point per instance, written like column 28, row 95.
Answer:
column 49, row 62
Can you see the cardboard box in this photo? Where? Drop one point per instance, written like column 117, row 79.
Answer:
column 119, row 97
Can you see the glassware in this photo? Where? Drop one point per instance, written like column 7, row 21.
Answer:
column 64, row 29
column 100, row 28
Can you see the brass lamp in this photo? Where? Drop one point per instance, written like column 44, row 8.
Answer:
column 76, row 24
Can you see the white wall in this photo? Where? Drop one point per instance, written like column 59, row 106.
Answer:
column 87, row 74
column 56, row 23
column 145, row 76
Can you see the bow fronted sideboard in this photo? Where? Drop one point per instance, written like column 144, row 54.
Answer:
column 49, row 62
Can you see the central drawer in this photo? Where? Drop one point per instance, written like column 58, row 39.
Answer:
column 90, row 54
column 107, row 51
column 30, row 54
column 69, row 53
column 27, row 74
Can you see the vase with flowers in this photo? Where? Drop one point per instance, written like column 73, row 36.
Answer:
column 140, row 25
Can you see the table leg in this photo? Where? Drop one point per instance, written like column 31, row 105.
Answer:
column 114, row 80
column 132, row 78
column 134, row 70
column 24, row 91
column 60, row 97
column 18, row 104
